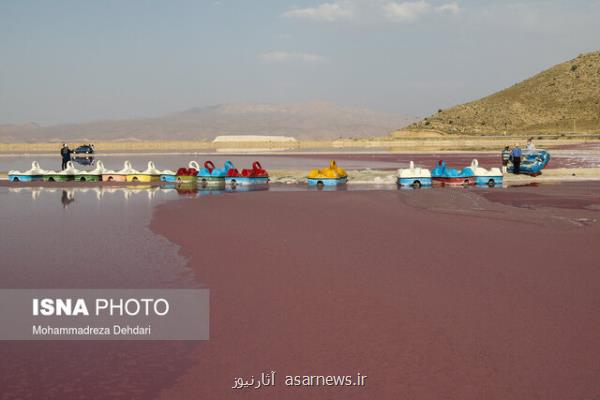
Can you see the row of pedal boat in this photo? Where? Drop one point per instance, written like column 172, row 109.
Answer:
column 206, row 175
column 445, row 176
column 209, row 174
column 532, row 164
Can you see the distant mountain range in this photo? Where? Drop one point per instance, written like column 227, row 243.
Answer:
column 562, row 99
column 313, row 120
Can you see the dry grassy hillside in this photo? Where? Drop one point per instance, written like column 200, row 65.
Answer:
column 562, row 99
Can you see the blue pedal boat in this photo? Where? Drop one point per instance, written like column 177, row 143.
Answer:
column 328, row 176
column 451, row 176
column 327, row 181
column 414, row 176
column 168, row 176
column 532, row 162
column 252, row 176
column 171, row 176
column 35, row 173
column 487, row 177
column 211, row 175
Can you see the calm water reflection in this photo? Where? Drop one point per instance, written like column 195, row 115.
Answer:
column 88, row 237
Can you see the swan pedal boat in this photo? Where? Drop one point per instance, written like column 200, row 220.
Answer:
column 213, row 176
column 452, row 177
column 151, row 174
column 255, row 176
column 119, row 176
column 67, row 174
column 167, row 175
column 414, row 176
column 492, row 177
column 95, row 175
column 187, row 175
column 329, row 176
column 35, row 173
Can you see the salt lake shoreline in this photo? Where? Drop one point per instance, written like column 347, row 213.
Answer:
column 415, row 295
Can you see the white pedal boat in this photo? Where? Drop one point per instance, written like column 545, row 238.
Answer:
column 67, row 174
column 414, row 176
column 120, row 175
column 490, row 177
column 35, row 173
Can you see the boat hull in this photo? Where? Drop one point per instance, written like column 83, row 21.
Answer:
column 211, row 180
column 454, row 181
column 489, row 180
column 245, row 181
column 416, row 181
column 168, row 178
column 114, row 178
column 185, row 179
column 24, row 178
column 142, row 178
column 88, row 178
column 327, row 181
column 58, row 178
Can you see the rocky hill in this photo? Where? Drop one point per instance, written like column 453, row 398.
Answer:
column 562, row 99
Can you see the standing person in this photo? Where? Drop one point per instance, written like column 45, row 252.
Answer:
column 530, row 145
column 505, row 159
column 65, row 153
column 516, row 158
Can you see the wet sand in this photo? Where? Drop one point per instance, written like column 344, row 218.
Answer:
column 454, row 294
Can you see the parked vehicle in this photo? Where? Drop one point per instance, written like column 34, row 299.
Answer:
column 85, row 149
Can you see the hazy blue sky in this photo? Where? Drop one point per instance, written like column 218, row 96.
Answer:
column 63, row 61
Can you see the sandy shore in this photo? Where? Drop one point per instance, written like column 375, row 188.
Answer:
column 452, row 294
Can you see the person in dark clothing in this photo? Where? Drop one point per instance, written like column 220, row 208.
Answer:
column 505, row 158
column 516, row 158
column 65, row 153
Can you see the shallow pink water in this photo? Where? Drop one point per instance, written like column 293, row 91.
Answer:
column 98, row 237
column 65, row 238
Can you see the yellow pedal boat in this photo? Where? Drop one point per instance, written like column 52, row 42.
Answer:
column 331, row 176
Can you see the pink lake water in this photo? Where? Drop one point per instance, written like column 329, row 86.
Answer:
column 67, row 238
column 97, row 236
